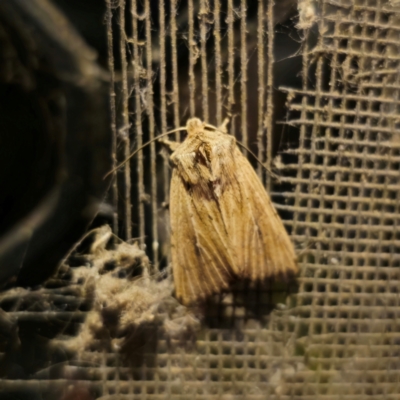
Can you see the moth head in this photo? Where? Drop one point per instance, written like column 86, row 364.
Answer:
column 194, row 125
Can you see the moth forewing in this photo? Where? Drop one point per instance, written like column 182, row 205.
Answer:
column 201, row 259
column 223, row 224
column 265, row 249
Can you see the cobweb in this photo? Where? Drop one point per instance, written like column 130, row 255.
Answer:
column 313, row 89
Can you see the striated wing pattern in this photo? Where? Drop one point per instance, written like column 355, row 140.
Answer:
column 223, row 223
column 267, row 250
column 201, row 258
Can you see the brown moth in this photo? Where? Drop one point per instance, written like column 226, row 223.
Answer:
column 223, row 224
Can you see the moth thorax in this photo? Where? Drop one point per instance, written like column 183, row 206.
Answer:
column 194, row 125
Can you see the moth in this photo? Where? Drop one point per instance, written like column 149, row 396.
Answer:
column 223, row 223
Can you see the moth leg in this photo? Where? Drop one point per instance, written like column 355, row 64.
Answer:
column 172, row 145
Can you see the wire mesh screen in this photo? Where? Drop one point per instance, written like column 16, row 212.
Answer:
column 179, row 60
column 336, row 334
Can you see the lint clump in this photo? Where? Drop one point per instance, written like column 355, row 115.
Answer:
column 307, row 14
column 124, row 295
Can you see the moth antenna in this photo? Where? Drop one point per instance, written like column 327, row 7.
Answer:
column 272, row 174
column 212, row 127
column 141, row 148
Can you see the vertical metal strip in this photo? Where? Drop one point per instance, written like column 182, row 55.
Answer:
column 243, row 72
column 110, row 47
column 218, row 72
column 125, row 123
column 163, row 110
column 203, row 49
column 150, row 113
column 192, row 60
column 231, row 63
column 261, row 88
column 163, row 94
column 175, row 87
column 270, row 82
column 138, row 120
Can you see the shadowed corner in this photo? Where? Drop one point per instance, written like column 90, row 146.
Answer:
column 55, row 139
column 248, row 304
